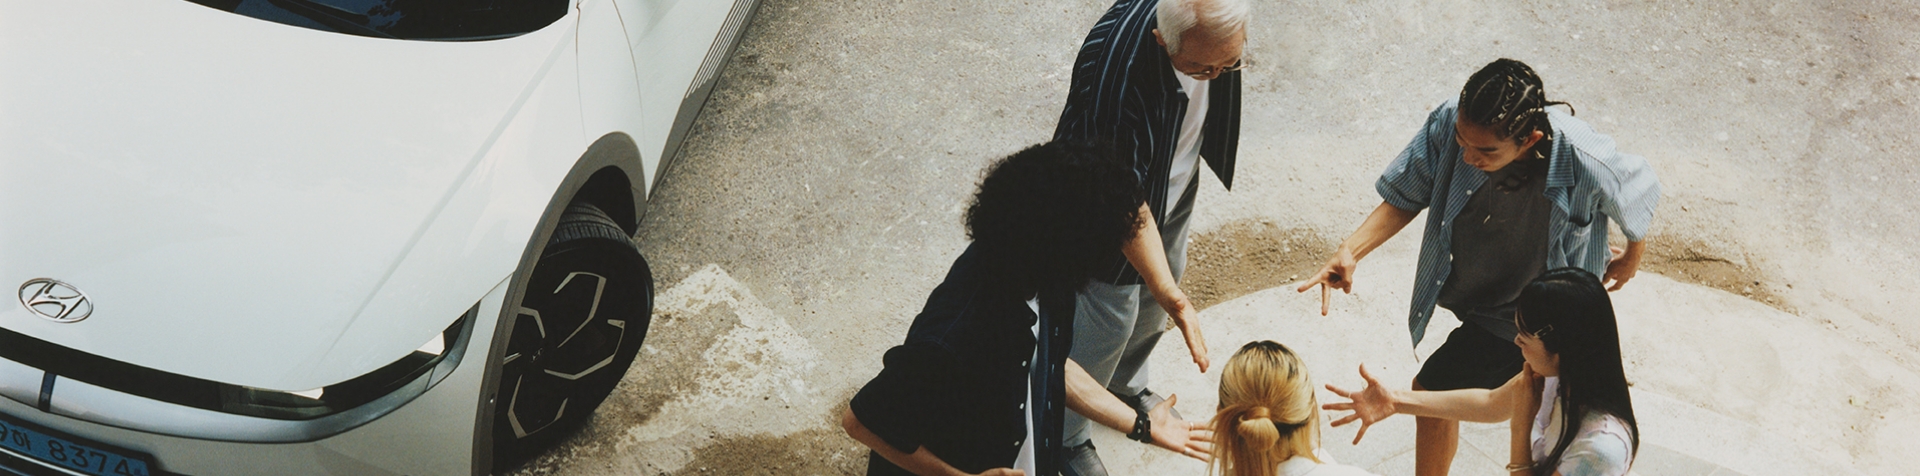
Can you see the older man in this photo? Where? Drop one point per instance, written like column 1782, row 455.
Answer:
column 1158, row 79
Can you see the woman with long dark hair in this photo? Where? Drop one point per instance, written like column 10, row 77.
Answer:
column 1569, row 408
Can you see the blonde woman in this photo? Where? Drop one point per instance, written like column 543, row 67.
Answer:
column 1269, row 421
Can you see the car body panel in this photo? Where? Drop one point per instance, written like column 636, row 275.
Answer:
column 421, row 427
column 190, row 195
column 670, row 41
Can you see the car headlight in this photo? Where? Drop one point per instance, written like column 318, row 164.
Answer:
column 309, row 404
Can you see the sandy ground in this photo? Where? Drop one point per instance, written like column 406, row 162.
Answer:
column 818, row 201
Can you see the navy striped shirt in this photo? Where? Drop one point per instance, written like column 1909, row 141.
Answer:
column 1124, row 93
column 1588, row 182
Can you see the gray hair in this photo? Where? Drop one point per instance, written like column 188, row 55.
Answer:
column 1217, row 18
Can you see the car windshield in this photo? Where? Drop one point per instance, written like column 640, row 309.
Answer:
column 438, row 20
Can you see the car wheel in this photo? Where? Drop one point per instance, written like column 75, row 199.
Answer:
column 582, row 316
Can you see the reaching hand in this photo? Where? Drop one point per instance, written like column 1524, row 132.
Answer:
column 1179, row 436
column 1338, row 273
column 1184, row 316
column 1624, row 265
column 1003, row 472
column 1369, row 405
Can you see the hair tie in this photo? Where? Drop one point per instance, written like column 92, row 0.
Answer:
column 1285, row 428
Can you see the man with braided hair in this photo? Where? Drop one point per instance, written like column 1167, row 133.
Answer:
column 1535, row 193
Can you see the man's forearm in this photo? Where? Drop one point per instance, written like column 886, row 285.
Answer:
column 920, row 462
column 1089, row 398
column 1148, row 255
column 1635, row 249
column 1385, row 221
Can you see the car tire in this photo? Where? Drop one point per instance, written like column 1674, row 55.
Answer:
column 582, row 317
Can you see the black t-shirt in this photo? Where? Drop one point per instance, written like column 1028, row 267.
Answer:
column 1499, row 245
column 959, row 384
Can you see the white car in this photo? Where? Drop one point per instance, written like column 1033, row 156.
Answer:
column 329, row 236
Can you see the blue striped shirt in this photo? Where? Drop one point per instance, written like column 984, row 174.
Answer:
column 1588, row 181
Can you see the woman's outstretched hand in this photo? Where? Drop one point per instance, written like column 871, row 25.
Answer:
column 1369, row 405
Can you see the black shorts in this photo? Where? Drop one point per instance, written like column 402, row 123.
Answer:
column 1472, row 357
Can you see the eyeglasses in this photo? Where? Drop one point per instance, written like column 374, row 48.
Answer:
column 1211, row 71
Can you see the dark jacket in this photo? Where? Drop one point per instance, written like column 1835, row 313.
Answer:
column 958, row 385
column 1125, row 93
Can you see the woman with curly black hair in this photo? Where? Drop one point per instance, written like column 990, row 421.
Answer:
column 982, row 382
column 1569, row 410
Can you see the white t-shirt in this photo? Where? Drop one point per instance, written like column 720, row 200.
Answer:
column 1602, row 447
column 1025, row 462
column 1301, row 466
column 1186, row 150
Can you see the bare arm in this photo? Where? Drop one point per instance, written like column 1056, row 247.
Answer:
column 1526, row 401
column 1385, row 221
column 1089, row 398
column 1147, row 253
column 1467, row 404
column 920, row 462
column 1375, row 403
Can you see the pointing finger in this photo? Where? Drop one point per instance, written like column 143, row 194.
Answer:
column 1323, row 299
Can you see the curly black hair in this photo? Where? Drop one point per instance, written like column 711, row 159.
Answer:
column 1507, row 97
column 1051, row 216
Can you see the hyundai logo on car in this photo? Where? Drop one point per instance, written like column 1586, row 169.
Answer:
column 55, row 300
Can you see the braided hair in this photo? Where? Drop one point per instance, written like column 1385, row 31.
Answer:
column 1506, row 97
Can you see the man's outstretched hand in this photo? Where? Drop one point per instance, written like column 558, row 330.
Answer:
column 1338, row 273
column 1179, row 436
column 1184, row 316
column 1369, row 405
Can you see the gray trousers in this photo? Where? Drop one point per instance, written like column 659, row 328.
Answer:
column 1115, row 327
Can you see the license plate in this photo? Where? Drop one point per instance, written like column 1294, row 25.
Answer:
column 67, row 453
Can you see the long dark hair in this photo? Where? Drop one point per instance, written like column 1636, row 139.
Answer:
column 1570, row 312
column 1506, row 97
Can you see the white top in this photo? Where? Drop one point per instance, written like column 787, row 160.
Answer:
column 1301, row 466
column 1186, row 151
column 1603, row 446
column 1025, row 462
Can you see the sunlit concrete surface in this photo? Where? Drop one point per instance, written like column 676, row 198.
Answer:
column 819, row 199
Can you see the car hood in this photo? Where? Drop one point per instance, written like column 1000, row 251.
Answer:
column 231, row 193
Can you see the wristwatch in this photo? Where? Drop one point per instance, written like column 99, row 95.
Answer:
column 1142, row 427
